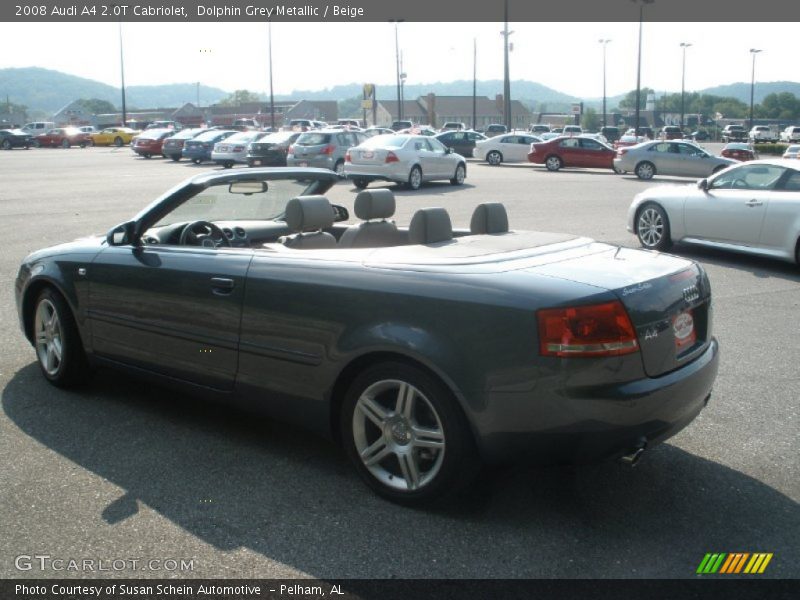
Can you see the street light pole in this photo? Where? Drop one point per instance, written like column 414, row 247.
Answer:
column 604, row 42
column 684, row 45
column 397, row 65
column 122, row 76
column 271, row 95
column 506, row 77
column 474, row 82
column 641, row 4
column 753, row 51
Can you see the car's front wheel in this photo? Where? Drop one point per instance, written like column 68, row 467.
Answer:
column 360, row 183
column 494, row 158
column 406, row 434
column 645, row 170
column 65, row 144
column 415, row 178
column 553, row 163
column 118, row 141
column 59, row 350
column 652, row 227
column 6, row 144
column 459, row 176
column 339, row 168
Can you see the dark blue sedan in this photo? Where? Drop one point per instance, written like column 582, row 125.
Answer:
column 199, row 149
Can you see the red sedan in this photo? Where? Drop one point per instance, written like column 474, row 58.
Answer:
column 151, row 142
column 572, row 152
column 739, row 151
column 64, row 137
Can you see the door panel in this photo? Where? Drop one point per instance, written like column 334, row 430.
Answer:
column 727, row 215
column 173, row 310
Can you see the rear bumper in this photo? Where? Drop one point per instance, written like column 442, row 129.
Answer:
column 392, row 172
column 591, row 424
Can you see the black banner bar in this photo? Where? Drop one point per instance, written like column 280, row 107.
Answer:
column 365, row 589
column 443, row 11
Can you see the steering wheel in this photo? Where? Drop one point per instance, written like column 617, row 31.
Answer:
column 203, row 233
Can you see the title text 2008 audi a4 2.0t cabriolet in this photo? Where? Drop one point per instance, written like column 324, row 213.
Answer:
column 424, row 351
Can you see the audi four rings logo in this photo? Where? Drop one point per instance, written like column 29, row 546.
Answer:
column 690, row 294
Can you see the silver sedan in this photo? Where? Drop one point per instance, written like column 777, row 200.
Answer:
column 409, row 159
column 753, row 207
column 681, row 158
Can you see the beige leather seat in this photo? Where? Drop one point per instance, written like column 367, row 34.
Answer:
column 308, row 216
column 369, row 205
column 490, row 217
column 430, row 226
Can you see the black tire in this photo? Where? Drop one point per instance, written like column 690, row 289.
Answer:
column 459, row 175
column 65, row 143
column 645, row 170
column 36, row 144
column 196, row 161
column 118, row 141
column 175, row 157
column 494, row 158
column 227, row 164
column 553, row 163
column 360, row 183
column 339, row 168
column 147, row 155
column 425, row 451
column 82, row 144
column 6, row 144
column 652, row 227
column 68, row 366
column 414, row 178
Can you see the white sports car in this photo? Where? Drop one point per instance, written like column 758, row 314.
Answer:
column 751, row 207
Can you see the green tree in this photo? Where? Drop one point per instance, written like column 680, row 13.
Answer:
column 589, row 120
column 96, row 106
column 351, row 108
column 784, row 106
column 240, row 97
column 629, row 101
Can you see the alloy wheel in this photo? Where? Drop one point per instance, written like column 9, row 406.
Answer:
column 47, row 332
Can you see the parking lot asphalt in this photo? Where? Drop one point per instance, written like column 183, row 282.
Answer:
column 122, row 470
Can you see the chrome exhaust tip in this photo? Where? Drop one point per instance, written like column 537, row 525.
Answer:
column 632, row 458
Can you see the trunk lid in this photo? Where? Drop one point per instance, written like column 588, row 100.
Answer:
column 668, row 300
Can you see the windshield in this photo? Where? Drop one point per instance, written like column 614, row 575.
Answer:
column 217, row 203
column 209, row 136
column 386, row 141
column 247, row 136
column 313, row 139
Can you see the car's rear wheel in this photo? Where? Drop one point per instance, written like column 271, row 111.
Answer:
column 459, row 176
column 415, row 178
column 360, row 183
column 406, row 434
column 652, row 227
column 118, row 141
column 147, row 155
column 494, row 158
column 228, row 164
column 645, row 170
column 65, row 143
column 175, row 157
column 59, row 350
column 196, row 161
column 6, row 144
column 339, row 168
column 82, row 144
column 36, row 144
column 553, row 163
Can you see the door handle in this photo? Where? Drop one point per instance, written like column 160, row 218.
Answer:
column 753, row 202
column 222, row 285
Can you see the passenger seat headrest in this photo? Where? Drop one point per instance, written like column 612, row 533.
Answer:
column 309, row 213
column 430, row 225
column 374, row 204
column 490, row 217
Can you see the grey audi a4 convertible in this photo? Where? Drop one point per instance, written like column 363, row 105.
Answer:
column 425, row 351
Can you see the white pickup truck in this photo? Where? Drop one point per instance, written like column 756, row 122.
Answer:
column 762, row 133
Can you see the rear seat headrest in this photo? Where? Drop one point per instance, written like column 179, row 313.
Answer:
column 430, row 225
column 309, row 213
column 490, row 217
column 374, row 204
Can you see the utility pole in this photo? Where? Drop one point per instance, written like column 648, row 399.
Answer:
column 506, row 77
column 122, row 75
column 271, row 95
column 604, row 42
column 684, row 45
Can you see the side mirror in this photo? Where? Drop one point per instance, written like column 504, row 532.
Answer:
column 121, row 235
column 702, row 184
column 340, row 213
column 448, row 150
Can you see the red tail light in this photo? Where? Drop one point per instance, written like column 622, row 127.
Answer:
column 328, row 150
column 347, row 156
column 586, row 331
column 621, row 151
column 238, row 149
column 391, row 157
